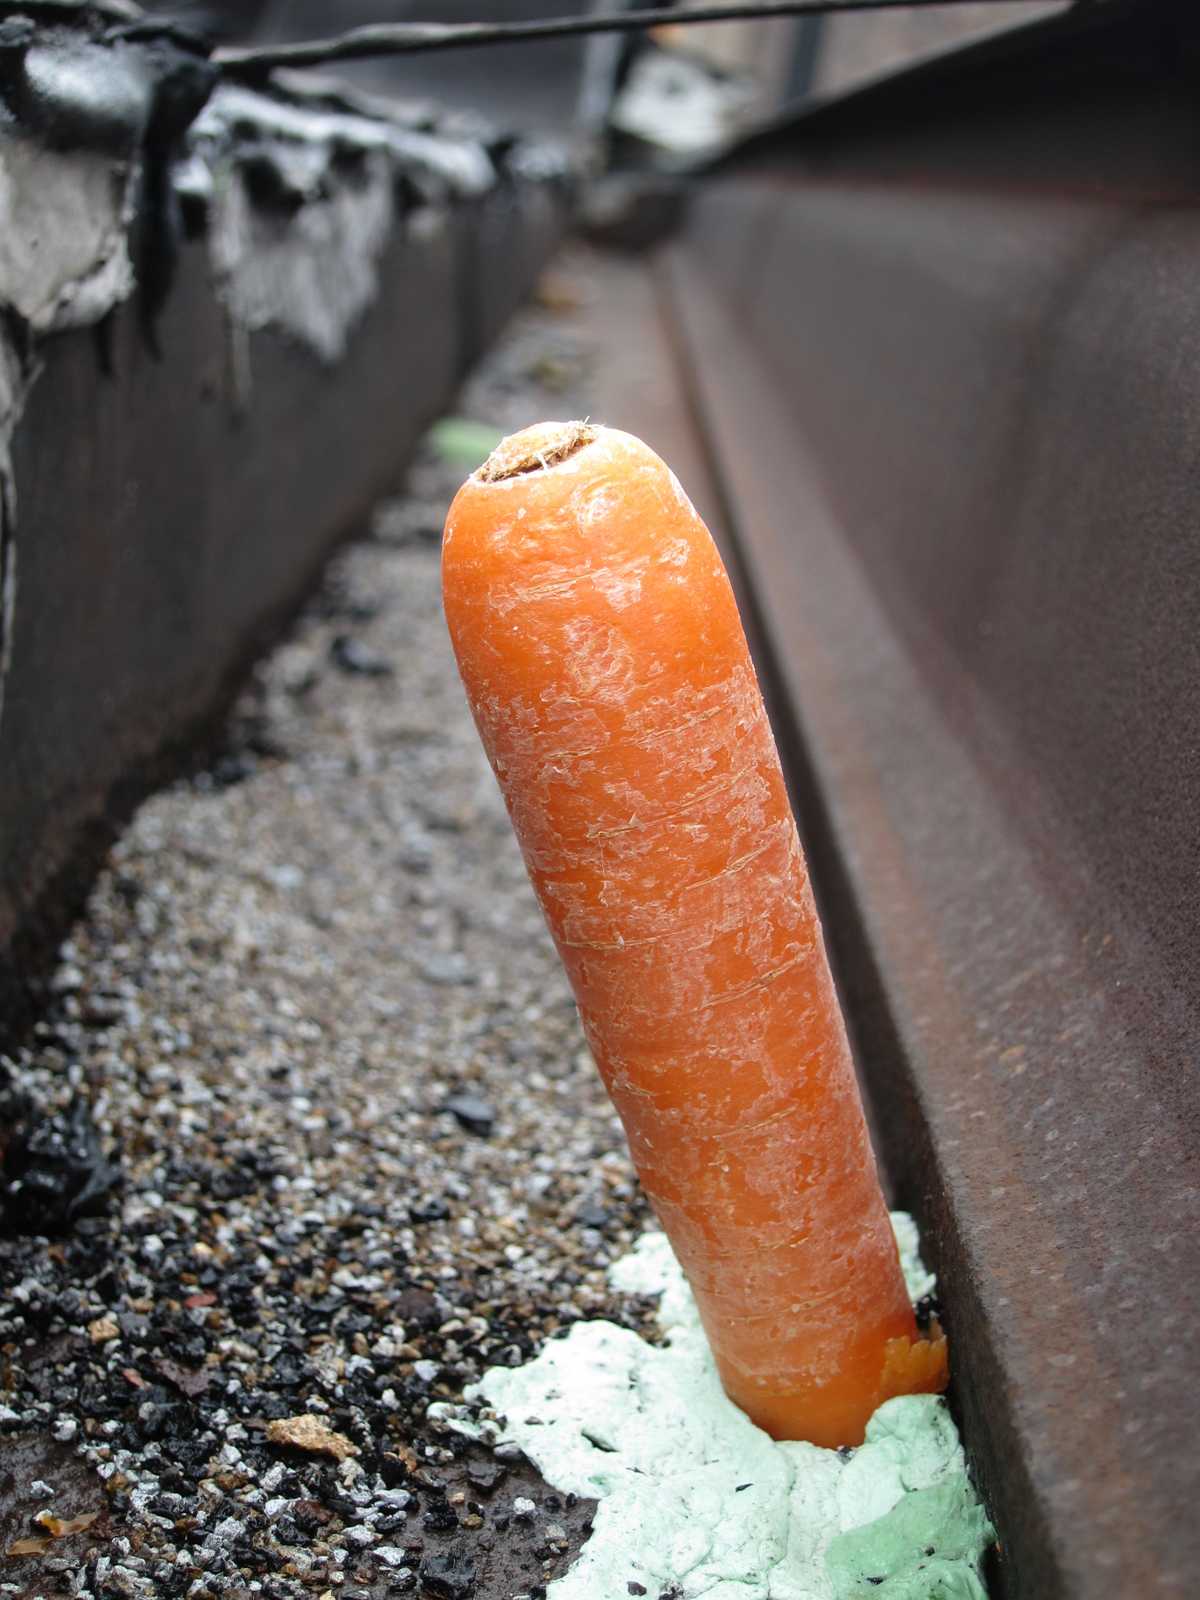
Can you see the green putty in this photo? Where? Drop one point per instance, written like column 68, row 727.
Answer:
column 696, row 1500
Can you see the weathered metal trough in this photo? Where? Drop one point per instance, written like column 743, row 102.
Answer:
column 231, row 315
column 933, row 352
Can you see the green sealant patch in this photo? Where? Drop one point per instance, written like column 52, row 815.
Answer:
column 464, row 444
column 695, row 1500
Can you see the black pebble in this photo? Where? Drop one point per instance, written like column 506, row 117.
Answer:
column 440, row 1518
column 351, row 656
column 233, row 768
column 448, row 1574
column 485, row 1475
column 435, row 1210
column 926, row 1309
column 393, row 1472
column 472, row 1113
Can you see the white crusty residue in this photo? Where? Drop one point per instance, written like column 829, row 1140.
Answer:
column 696, row 1500
column 312, row 273
column 301, row 213
column 64, row 221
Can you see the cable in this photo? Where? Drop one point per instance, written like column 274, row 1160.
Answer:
column 412, row 38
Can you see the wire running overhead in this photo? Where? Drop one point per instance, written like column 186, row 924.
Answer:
column 413, row 38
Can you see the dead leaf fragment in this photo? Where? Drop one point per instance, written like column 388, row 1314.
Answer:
column 309, row 1433
column 189, row 1380
column 103, row 1329
column 63, row 1527
column 28, row 1547
column 56, row 1528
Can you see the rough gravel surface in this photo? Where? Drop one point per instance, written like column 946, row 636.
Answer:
column 356, row 1151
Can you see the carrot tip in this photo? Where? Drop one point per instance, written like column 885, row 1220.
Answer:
column 535, row 449
column 915, row 1366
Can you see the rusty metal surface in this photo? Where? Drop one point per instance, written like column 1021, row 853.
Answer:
column 1097, row 98
column 954, row 421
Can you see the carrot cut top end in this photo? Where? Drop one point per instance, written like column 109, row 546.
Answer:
column 535, row 449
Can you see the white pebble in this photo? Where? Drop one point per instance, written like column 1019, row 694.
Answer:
column 391, row 1555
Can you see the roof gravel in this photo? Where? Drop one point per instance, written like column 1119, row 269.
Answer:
column 315, row 1017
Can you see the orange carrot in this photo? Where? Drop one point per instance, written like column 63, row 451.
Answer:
column 608, row 674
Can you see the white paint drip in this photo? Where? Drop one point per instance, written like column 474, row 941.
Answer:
column 311, row 268
column 64, row 217
column 697, row 1501
column 460, row 165
column 314, row 273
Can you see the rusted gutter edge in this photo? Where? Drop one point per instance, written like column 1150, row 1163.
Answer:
column 1020, row 62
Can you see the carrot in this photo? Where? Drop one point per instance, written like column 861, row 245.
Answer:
column 606, row 667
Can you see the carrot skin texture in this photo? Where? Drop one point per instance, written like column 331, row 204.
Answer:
column 606, row 667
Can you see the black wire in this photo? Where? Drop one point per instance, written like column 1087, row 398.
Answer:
column 411, row 38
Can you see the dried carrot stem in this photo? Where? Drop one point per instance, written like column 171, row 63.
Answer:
column 608, row 674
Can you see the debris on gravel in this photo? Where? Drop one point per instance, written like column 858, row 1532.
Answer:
column 53, row 1169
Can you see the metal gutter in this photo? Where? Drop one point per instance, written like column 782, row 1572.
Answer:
column 259, row 301
column 997, row 72
column 947, row 371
